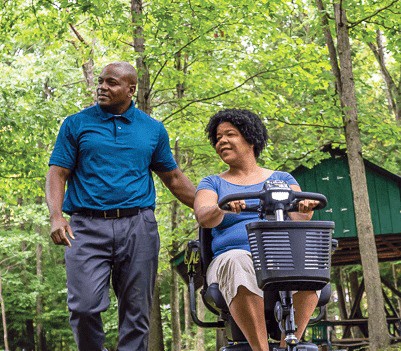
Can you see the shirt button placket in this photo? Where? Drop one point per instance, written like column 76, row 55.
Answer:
column 118, row 127
column 118, row 132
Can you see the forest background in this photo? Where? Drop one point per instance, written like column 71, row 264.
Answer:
column 194, row 58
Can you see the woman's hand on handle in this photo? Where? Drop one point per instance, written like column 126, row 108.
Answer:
column 207, row 210
column 237, row 206
column 306, row 206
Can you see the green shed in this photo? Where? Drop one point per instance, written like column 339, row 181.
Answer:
column 331, row 178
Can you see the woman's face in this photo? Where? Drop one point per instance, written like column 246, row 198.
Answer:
column 231, row 146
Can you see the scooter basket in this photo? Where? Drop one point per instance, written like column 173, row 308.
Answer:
column 291, row 255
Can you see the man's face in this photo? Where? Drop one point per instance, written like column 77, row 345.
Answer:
column 114, row 90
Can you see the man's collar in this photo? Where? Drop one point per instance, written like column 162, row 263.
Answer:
column 128, row 115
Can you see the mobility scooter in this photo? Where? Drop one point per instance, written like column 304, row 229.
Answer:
column 287, row 256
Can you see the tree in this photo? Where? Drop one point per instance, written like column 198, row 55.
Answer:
column 3, row 315
column 393, row 89
column 342, row 70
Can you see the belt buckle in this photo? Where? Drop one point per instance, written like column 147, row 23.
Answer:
column 111, row 217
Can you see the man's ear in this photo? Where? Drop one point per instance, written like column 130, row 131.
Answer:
column 132, row 89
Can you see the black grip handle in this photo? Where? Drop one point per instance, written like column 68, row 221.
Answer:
column 252, row 208
column 301, row 195
column 223, row 203
column 225, row 207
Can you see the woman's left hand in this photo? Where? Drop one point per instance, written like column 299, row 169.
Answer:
column 237, row 206
column 305, row 206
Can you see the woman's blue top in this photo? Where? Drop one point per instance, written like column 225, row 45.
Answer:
column 231, row 232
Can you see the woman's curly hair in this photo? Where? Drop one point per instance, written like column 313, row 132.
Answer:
column 249, row 124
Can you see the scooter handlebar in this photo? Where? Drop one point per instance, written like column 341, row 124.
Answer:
column 300, row 195
column 296, row 197
column 223, row 203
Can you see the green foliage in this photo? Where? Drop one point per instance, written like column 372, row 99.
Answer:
column 268, row 56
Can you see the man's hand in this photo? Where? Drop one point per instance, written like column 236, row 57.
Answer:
column 56, row 179
column 59, row 230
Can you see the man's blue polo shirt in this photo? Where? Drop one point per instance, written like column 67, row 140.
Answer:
column 111, row 158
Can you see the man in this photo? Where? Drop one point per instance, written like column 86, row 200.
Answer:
column 106, row 153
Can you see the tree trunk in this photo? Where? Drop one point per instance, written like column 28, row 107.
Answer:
column 156, row 328
column 3, row 316
column 187, row 320
column 336, row 276
column 354, row 284
column 330, row 45
column 347, row 290
column 174, row 292
column 143, row 103
column 175, row 301
column 87, row 67
column 200, row 333
column 29, row 343
column 181, row 64
column 141, row 66
column 192, row 338
column 378, row 334
column 40, row 334
column 393, row 270
column 175, row 311
column 393, row 92
column 220, row 339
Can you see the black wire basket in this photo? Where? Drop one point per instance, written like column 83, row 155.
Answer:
column 291, row 255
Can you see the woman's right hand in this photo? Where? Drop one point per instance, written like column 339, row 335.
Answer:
column 236, row 206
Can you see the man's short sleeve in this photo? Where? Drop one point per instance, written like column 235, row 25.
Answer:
column 65, row 150
column 162, row 158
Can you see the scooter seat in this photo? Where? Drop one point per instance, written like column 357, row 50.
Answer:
column 214, row 297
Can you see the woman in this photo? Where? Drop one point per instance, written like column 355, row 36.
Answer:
column 238, row 137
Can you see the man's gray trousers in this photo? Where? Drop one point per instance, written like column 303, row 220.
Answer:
column 127, row 250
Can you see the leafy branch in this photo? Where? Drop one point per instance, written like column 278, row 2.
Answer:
column 258, row 74
column 353, row 24
column 177, row 52
column 305, row 124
